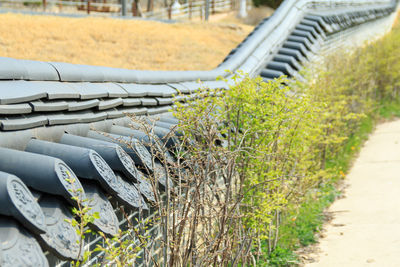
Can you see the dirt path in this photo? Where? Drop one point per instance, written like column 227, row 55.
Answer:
column 365, row 230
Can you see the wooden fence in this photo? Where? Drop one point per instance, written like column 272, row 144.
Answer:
column 186, row 9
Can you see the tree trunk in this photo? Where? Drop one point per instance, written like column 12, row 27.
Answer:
column 150, row 5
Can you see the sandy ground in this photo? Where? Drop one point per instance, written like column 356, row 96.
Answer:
column 132, row 44
column 365, row 229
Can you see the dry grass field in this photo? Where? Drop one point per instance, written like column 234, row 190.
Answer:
column 132, row 44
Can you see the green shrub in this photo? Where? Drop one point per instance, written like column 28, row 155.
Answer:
column 270, row 3
column 32, row 3
column 365, row 85
column 280, row 136
column 261, row 195
column 297, row 141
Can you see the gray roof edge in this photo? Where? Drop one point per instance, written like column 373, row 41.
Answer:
column 18, row 139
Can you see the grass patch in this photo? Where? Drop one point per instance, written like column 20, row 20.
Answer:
column 299, row 226
column 389, row 110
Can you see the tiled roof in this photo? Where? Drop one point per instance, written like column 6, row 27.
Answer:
column 60, row 121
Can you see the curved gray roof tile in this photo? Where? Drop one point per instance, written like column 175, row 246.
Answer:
column 22, row 122
column 80, row 105
column 111, row 103
column 23, row 108
column 40, row 106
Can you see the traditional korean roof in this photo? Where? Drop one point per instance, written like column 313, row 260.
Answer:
column 60, row 121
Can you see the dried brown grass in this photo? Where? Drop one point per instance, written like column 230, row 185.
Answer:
column 254, row 16
column 131, row 44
